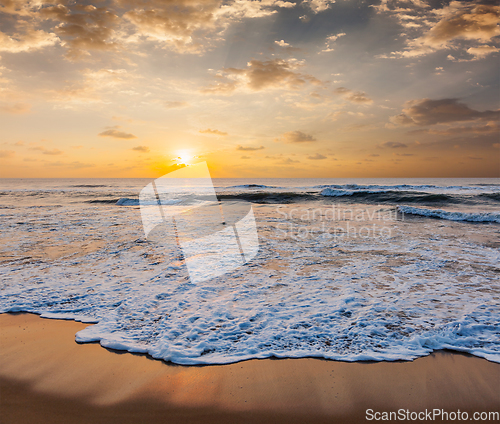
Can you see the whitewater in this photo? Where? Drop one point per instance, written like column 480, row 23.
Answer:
column 352, row 270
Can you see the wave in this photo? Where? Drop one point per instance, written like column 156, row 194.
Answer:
column 270, row 197
column 392, row 196
column 126, row 201
column 251, row 186
column 403, row 187
column 361, row 196
column 122, row 201
column 104, row 201
column 490, row 196
column 452, row 216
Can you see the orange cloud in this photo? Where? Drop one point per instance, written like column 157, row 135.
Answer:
column 6, row 154
column 249, row 148
column 296, row 137
column 45, row 151
column 317, row 156
column 353, row 96
column 175, row 105
column 213, row 132
column 114, row 133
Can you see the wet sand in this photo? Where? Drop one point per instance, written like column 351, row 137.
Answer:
column 46, row 377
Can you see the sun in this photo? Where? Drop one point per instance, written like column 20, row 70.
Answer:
column 184, row 157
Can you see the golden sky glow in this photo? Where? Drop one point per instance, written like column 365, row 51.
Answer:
column 257, row 88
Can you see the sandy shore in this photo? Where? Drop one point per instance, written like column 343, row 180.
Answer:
column 45, row 377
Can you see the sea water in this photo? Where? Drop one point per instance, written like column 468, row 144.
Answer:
column 347, row 269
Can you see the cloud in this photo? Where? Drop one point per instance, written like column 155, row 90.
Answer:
column 173, row 24
column 240, row 9
column 466, row 21
column 223, row 86
column 141, row 149
column 282, row 43
column 394, row 145
column 213, row 132
column 82, row 27
column 30, row 40
column 79, row 165
column 318, row 5
column 72, row 165
column 6, row 154
column 16, row 109
column 189, row 26
column 288, row 161
column 481, row 52
column 330, row 40
column 245, row 157
column 45, row 151
column 353, row 96
column 175, row 105
column 260, row 75
column 296, row 137
column 444, row 28
column 431, row 112
column 317, row 156
column 114, row 133
column 249, row 148
column 490, row 128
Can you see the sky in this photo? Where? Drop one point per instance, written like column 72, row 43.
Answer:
column 256, row 88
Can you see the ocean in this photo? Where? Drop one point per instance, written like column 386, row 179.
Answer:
column 346, row 269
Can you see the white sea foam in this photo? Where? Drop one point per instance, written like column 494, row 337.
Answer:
column 430, row 188
column 451, row 215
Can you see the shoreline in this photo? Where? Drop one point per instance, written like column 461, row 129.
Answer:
column 45, row 376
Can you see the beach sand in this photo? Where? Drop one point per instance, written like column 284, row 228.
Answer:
column 46, row 377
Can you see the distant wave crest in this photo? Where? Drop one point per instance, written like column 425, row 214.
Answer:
column 452, row 216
